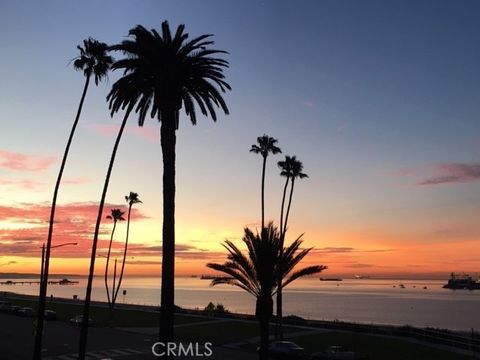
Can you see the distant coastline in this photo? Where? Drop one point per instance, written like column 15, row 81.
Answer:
column 432, row 276
column 36, row 276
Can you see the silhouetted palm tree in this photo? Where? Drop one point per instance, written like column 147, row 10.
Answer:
column 254, row 272
column 286, row 171
column 265, row 145
column 93, row 60
column 115, row 215
column 291, row 168
column 296, row 169
column 162, row 74
column 131, row 199
column 258, row 271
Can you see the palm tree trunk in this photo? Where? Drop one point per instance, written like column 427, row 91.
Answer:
column 263, row 191
column 106, row 265
column 37, row 352
column 278, row 327
column 263, row 312
column 288, row 208
column 110, row 315
column 283, row 205
column 86, row 308
column 168, row 140
column 282, row 237
column 124, row 259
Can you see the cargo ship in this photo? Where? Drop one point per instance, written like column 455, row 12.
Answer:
column 462, row 282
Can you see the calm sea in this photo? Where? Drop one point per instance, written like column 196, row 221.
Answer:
column 365, row 300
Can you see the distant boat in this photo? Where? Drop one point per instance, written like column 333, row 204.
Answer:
column 402, row 286
column 67, row 282
column 358, row 277
column 331, row 279
column 462, row 282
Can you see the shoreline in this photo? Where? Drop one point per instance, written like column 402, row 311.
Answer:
column 287, row 320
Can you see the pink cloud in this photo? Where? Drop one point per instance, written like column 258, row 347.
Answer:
column 75, row 180
column 453, row 173
column 22, row 184
column 24, row 162
column 150, row 133
column 74, row 222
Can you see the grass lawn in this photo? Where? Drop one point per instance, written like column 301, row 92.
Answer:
column 219, row 333
column 375, row 347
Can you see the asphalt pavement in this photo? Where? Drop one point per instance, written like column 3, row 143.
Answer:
column 61, row 343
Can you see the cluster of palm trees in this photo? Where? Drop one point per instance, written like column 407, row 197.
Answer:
column 117, row 215
column 162, row 73
column 268, row 266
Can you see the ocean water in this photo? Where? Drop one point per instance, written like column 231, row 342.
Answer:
column 362, row 300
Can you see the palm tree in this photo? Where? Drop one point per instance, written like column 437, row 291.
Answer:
column 255, row 272
column 93, row 60
column 131, row 199
column 286, row 171
column 258, row 271
column 115, row 215
column 291, row 169
column 82, row 347
column 162, row 74
column 296, row 168
column 266, row 145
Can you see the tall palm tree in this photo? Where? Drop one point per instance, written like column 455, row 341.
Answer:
column 265, row 145
column 296, row 173
column 164, row 73
column 291, row 169
column 92, row 60
column 286, row 171
column 258, row 271
column 131, row 199
column 115, row 215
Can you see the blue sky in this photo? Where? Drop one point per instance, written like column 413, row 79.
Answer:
column 374, row 98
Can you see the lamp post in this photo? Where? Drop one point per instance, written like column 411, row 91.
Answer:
column 37, row 353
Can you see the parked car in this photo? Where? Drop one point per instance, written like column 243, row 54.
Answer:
column 50, row 315
column 336, row 353
column 5, row 306
column 14, row 309
column 78, row 320
column 282, row 350
column 26, row 312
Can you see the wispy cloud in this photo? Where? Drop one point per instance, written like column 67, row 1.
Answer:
column 447, row 173
column 182, row 251
column 307, row 103
column 335, row 250
column 359, row 266
column 75, row 180
column 342, row 250
column 9, row 263
column 25, row 184
column 14, row 161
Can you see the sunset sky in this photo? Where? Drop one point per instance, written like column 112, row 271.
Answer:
column 380, row 101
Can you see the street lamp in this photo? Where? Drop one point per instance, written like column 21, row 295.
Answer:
column 41, row 302
column 43, row 257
